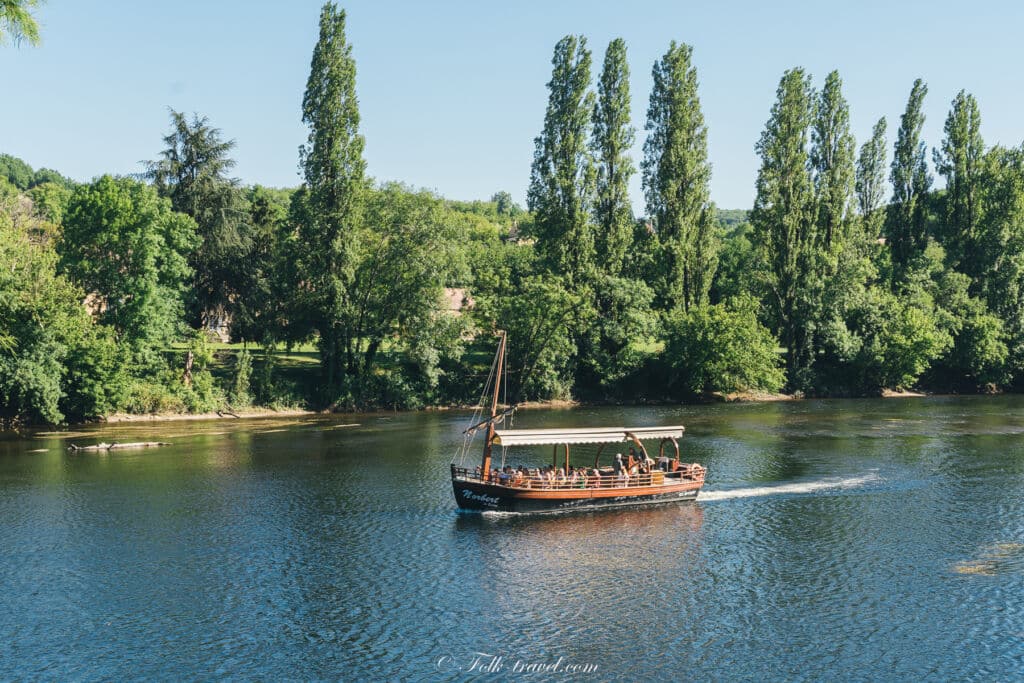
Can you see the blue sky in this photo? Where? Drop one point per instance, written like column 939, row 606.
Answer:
column 453, row 93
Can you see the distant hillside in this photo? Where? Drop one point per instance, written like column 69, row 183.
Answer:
column 730, row 218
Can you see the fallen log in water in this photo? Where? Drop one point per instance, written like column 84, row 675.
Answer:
column 118, row 446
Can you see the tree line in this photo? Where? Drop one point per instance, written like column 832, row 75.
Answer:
column 830, row 285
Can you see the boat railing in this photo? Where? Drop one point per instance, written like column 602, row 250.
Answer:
column 536, row 480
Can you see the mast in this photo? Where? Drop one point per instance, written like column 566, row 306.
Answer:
column 485, row 468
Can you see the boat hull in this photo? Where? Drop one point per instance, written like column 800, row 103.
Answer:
column 483, row 497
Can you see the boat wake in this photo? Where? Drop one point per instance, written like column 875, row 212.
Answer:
column 789, row 489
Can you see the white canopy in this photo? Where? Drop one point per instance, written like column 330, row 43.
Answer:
column 547, row 437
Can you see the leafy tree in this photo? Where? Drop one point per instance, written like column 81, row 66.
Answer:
column 129, row 251
column 832, row 163
column 562, row 175
column 960, row 162
column 540, row 352
column 16, row 171
column 870, row 181
column 999, row 248
column 612, row 139
column 334, row 169
column 50, row 199
column 611, row 345
column 17, row 23
column 54, row 362
column 192, row 173
column 721, row 348
column 784, row 223
column 676, row 178
column 405, row 256
column 906, row 223
column 736, row 262
column 260, row 312
column 504, row 204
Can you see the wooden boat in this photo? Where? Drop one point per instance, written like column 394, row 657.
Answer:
column 639, row 480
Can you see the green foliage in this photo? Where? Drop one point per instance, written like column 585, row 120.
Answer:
column 831, row 159
column 906, row 224
column 721, row 348
column 21, row 175
column 17, row 23
column 129, row 251
column 192, row 173
column 961, row 162
column 240, row 395
column 259, row 310
column 611, row 348
column 611, row 142
column 537, row 316
column 50, row 200
column 784, row 224
column 737, row 261
column 677, row 176
column 731, row 218
column 562, row 177
column 870, row 182
column 54, row 362
column 16, row 171
column 333, row 167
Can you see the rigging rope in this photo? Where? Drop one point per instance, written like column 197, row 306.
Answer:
column 468, row 436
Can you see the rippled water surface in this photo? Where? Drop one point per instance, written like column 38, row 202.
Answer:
column 861, row 540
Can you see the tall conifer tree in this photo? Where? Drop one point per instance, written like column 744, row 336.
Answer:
column 334, row 170
column 870, row 180
column 960, row 162
column 193, row 173
column 561, row 188
column 612, row 139
column 784, row 223
column 676, row 178
column 906, row 222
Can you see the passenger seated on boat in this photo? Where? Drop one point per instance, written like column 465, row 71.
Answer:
column 540, row 478
column 478, row 472
column 503, row 476
column 663, row 462
column 518, row 478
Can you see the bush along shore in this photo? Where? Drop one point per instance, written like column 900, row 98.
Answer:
column 851, row 274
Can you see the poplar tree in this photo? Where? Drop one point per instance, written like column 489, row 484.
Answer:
column 676, row 176
column 870, row 180
column 334, row 169
column 906, row 220
column 783, row 221
column 960, row 162
column 612, row 139
column 832, row 163
column 561, row 188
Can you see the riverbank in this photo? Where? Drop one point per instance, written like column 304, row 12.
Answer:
column 247, row 414
column 556, row 404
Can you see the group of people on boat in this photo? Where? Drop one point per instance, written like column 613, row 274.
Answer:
column 631, row 470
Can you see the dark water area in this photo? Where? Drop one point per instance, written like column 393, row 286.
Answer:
column 859, row 540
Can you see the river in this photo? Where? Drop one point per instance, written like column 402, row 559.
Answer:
column 856, row 539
